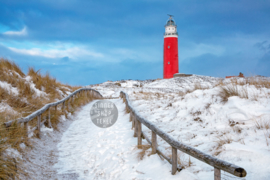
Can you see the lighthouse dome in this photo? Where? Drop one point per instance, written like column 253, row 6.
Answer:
column 170, row 22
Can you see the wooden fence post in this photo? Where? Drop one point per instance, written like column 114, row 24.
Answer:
column 139, row 124
column 174, row 160
column 38, row 125
column 135, row 128
column 132, row 118
column 154, row 142
column 217, row 174
column 49, row 118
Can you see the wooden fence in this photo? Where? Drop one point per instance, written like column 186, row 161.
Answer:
column 137, row 122
column 218, row 164
column 87, row 92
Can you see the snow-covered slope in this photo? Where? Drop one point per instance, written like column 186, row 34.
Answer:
column 227, row 118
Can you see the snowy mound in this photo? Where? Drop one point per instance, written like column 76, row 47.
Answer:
column 227, row 118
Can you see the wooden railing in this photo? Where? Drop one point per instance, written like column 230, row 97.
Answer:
column 137, row 122
column 218, row 164
column 87, row 92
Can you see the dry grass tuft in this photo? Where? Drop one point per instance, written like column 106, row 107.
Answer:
column 9, row 65
column 238, row 87
column 262, row 124
column 232, row 90
column 237, row 129
column 117, row 84
column 144, row 149
column 199, row 86
column 224, row 139
column 258, row 82
column 228, row 91
column 182, row 159
column 149, row 95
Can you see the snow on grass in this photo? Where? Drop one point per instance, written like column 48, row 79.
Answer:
column 12, row 153
column 194, row 111
column 130, row 83
column 183, row 83
column 38, row 92
column 4, row 107
column 9, row 88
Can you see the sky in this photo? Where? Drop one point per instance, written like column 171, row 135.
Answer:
column 82, row 42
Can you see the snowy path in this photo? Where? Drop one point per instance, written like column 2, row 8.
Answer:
column 90, row 152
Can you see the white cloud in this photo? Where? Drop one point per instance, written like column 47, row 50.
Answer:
column 17, row 33
column 74, row 52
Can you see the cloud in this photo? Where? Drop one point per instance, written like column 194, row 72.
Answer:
column 74, row 52
column 22, row 32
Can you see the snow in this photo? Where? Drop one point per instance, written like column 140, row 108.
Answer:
column 4, row 107
column 22, row 146
column 199, row 118
column 38, row 92
column 13, row 153
column 28, row 78
column 90, row 152
column 130, row 83
column 189, row 109
column 44, row 129
column 9, row 87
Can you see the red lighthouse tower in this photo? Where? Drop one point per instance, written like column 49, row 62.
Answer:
column 170, row 51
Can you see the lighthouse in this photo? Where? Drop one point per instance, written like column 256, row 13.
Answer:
column 170, row 49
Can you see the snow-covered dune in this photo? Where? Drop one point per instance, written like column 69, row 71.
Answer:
column 197, row 111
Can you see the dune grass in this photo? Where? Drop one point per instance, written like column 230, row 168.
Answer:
column 26, row 101
column 239, row 87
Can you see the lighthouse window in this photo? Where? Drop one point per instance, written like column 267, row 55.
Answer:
column 168, row 62
column 168, row 47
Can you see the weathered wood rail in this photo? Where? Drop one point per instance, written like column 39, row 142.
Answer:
column 86, row 92
column 218, row 164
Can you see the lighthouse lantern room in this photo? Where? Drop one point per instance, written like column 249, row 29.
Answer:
column 170, row 49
